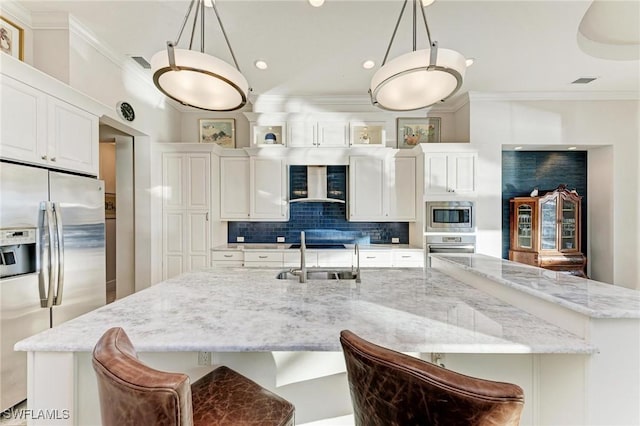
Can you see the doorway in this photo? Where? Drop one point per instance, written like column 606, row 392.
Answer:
column 117, row 171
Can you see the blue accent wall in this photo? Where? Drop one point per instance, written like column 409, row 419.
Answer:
column 320, row 221
column 524, row 170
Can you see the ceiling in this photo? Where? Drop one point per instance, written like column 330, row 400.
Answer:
column 518, row 46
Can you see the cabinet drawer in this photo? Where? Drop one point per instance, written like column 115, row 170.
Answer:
column 292, row 258
column 335, row 258
column 376, row 259
column 263, row 258
column 408, row 259
column 226, row 263
column 227, row 255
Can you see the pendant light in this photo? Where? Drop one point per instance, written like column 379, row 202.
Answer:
column 194, row 78
column 419, row 78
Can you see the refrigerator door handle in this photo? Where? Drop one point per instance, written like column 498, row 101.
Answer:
column 57, row 211
column 46, row 298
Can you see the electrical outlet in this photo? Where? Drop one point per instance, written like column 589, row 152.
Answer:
column 395, row 240
column 239, row 239
column 280, row 239
column 204, row 358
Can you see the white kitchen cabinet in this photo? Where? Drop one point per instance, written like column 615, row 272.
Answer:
column 234, row 188
column 185, row 212
column 292, row 258
column 375, row 258
column 321, row 134
column 402, row 190
column 335, row 258
column 450, row 173
column 368, row 189
column 227, row 258
column 263, row 258
column 407, row 258
column 44, row 130
column 268, row 189
column 368, row 133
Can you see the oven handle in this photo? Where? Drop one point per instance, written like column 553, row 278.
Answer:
column 451, row 247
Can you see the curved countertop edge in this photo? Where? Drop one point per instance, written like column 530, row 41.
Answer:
column 560, row 281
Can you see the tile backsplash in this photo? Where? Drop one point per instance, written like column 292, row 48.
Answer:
column 320, row 221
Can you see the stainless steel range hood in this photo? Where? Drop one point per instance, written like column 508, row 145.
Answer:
column 316, row 187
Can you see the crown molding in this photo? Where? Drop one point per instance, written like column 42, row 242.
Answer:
column 17, row 12
column 555, row 96
column 51, row 21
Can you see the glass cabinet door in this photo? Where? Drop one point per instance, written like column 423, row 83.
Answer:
column 548, row 225
column 568, row 234
column 525, row 217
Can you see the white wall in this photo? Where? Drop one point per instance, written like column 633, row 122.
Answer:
column 589, row 124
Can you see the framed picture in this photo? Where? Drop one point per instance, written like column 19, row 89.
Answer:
column 218, row 130
column 11, row 38
column 412, row 131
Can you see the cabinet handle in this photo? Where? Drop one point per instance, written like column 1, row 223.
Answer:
column 371, row 257
column 262, row 257
column 405, row 256
column 44, row 157
column 228, row 255
column 206, row 218
column 53, row 158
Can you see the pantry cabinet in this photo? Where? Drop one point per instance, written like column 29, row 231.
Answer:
column 545, row 231
column 450, row 173
column 43, row 130
column 185, row 212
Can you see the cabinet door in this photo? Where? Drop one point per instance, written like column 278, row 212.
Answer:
column 24, row 122
column 301, row 133
column 268, row 194
column 569, row 225
column 368, row 190
column 333, row 134
column 436, row 174
column 185, row 214
column 524, row 227
column 234, row 188
column 462, row 172
column 402, row 190
column 72, row 137
column 548, row 225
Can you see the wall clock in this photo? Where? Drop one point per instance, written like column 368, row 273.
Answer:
column 125, row 111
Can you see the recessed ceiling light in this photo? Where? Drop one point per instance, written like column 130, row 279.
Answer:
column 470, row 61
column 316, row 3
column 261, row 65
column 368, row 64
column 572, row 148
column 426, row 3
column 517, row 148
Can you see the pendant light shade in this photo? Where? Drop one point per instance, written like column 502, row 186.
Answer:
column 195, row 78
column 417, row 79
column 201, row 81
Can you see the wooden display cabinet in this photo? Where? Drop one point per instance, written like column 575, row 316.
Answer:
column 545, row 231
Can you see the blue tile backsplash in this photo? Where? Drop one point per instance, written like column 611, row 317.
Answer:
column 524, row 170
column 320, row 221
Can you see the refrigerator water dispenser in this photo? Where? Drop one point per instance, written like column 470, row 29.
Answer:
column 17, row 252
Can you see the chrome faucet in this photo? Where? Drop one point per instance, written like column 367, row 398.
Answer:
column 303, row 266
column 357, row 252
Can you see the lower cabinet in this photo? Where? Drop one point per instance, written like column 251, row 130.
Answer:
column 375, row 258
column 263, row 258
column 407, row 258
column 227, row 258
column 335, row 258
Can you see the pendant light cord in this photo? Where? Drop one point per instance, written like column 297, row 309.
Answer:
column 200, row 6
column 395, row 30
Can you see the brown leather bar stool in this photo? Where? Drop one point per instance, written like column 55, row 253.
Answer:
column 391, row 388
column 131, row 393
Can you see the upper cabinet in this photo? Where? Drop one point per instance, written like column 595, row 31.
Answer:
column 450, row 173
column 368, row 133
column 402, row 189
column 320, row 134
column 41, row 129
column 253, row 189
column 273, row 134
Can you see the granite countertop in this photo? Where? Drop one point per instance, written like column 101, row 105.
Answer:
column 588, row 297
column 238, row 309
column 287, row 246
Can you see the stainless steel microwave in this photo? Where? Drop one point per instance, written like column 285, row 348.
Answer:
column 449, row 216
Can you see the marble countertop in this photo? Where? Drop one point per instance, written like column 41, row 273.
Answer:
column 588, row 297
column 287, row 246
column 241, row 309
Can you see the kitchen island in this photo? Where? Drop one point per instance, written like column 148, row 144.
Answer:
column 284, row 335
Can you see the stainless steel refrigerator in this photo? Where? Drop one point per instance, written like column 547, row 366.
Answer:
column 52, row 259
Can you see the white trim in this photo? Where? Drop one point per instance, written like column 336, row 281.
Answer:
column 555, row 96
column 50, row 21
column 17, row 12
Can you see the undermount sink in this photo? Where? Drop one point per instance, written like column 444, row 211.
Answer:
column 321, row 274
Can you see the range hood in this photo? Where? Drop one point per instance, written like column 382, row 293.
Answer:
column 316, row 187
